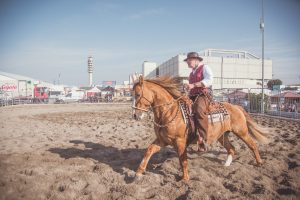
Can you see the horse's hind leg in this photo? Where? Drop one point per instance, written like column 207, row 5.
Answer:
column 229, row 147
column 152, row 149
column 251, row 144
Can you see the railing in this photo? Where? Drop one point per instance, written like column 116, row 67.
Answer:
column 15, row 101
column 275, row 104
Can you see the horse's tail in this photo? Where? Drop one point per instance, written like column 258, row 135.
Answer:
column 258, row 132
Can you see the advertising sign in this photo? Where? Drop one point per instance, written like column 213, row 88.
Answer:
column 109, row 83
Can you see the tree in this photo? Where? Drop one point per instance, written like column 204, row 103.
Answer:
column 255, row 102
column 273, row 82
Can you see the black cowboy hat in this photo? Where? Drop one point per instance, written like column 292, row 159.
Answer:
column 193, row 55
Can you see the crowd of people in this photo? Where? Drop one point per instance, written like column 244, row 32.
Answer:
column 288, row 107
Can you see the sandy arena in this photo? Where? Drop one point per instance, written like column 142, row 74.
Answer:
column 91, row 151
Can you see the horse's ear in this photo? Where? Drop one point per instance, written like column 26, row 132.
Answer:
column 141, row 79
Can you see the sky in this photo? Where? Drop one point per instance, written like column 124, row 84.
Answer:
column 50, row 40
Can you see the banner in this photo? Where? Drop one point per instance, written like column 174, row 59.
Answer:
column 108, row 83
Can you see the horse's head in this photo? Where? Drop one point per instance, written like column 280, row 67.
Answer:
column 142, row 99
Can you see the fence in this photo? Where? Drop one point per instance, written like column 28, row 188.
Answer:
column 277, row 103
column 7, row 98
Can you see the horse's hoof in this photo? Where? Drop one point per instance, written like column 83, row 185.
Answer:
column 259, row 164
column 185, row 179
column 228, row 161
column 138, row 177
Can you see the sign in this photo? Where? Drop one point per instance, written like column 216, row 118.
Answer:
column 8, row 87
column 109, row 83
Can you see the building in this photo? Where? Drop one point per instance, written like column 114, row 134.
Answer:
column 231, row 69
column 286, row 97
column 17, row 86
column 149, row 69
column 13, row 85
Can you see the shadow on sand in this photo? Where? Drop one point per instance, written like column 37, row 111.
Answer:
column 117, row 159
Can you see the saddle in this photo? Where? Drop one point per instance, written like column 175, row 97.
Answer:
column 216, row 113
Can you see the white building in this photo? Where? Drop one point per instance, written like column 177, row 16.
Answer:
column 13, row 85
column 231, row 69
column 149, row 68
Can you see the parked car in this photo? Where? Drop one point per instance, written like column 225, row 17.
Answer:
column 74, row 96
column 55, row 96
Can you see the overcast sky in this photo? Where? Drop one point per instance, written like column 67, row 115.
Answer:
column 45, row 38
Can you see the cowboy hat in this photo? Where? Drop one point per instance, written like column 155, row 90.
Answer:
column 193, row 55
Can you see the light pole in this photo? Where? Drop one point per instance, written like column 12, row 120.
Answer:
column 58, row 79
column 262, row 28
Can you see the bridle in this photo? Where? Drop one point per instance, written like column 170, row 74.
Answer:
column 151, row 108
column 139, row 99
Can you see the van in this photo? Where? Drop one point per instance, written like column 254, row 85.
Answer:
column 55, row 96
column 73, row 96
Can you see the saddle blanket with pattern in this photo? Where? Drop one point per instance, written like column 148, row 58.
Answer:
column 217, row 113
column 217, row 117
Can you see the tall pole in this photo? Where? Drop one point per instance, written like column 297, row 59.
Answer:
column 262, row 28
column 58, row 79
column 222, row 64
column 90, row 70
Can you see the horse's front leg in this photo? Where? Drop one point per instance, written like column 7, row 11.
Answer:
column 152, row 149
column 182, row 154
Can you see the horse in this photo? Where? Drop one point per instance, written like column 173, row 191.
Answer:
column 161, row 96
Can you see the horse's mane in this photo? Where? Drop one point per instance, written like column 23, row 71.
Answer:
column 172, row 85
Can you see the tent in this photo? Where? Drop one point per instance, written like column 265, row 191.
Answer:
column 92, row 92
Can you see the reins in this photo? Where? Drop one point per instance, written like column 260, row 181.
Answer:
column 166, row 124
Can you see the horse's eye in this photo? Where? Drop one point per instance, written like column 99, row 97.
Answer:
column 137, row 95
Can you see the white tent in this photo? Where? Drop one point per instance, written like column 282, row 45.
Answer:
column 92, row 91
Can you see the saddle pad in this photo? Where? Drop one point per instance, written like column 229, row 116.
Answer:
column 185, row 104
column 184, row 112
column 217, row 117
column 218, row 113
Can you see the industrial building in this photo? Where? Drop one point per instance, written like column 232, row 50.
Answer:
column 13, row 85
column 231, row 68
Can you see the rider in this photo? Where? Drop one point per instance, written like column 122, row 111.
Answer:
column 200, row 80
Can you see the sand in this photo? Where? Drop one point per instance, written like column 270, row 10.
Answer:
column 91, row 151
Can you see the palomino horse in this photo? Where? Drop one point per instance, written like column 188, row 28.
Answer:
column 161, row 96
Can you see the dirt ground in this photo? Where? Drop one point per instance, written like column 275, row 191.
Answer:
column 91, row 151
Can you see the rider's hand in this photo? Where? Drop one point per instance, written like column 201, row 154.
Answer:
column 190, row 86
